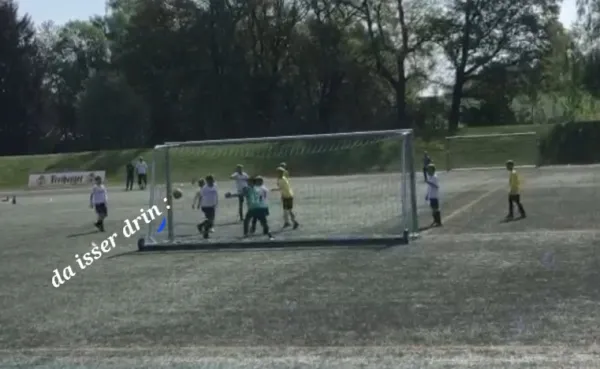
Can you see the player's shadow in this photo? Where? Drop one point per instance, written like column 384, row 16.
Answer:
column 510, row 220
column 81, row 234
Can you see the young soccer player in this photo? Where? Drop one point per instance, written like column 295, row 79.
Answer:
column 263, row 190
column 433, row 195
column 287, row 198
column 209, row 200
column 257, row 208
column 426, row 161
column 241, row 181
column 142, row 168
column 514, row 194
column 98, row 201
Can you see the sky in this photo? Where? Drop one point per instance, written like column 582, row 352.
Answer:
column 45, row 10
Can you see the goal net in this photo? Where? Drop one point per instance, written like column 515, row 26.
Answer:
column 348, row 188
column 492, row 150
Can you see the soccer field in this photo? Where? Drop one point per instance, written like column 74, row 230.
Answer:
column 477, row 293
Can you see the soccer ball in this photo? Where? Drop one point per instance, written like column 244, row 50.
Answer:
column 177, row 193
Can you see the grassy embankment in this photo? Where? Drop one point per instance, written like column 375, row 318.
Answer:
column 350, row 156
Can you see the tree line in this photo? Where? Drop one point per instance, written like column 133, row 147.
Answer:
column 150, row 71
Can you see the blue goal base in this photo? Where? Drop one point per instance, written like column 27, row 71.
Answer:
column 264, row 243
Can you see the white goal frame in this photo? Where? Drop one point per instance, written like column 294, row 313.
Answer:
column 450, row 139
column 407, row 188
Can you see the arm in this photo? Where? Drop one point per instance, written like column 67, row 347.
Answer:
column 91, row 198
column 432, row 184
column 196, row 200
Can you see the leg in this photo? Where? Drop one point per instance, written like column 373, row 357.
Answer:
column 520, row 206
column 290, row 207
column 145, row 180
column 241, row 206
column 265, row 224
column 247, row 218
column 437, row 215
column 510, row 206
column 253, row 227
column 424, row 174
column 208, row 223
column 140, row 181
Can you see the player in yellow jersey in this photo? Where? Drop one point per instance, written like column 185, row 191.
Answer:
column 514, row 195
column 287, row 198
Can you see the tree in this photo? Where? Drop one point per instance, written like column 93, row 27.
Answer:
column 399, row 33
column 21, row 74
column 475, row 33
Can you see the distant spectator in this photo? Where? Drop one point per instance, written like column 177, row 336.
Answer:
column 130, row 170
column 142, row 169
column 426, row 161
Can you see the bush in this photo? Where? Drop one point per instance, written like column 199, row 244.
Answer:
column 571, row 143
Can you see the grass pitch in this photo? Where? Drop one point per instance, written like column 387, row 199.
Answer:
column 478, row 293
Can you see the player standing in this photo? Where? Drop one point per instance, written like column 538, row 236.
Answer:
column 130, row 170
column 433, row 194
column 241, row 181
column 142, row 168
column 426, row 161
column 263, row 191
column 287, row 198
column 98, row 202
column 514, row 195
column 258, row 208
column 208, row 201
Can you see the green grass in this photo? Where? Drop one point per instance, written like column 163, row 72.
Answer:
column 305, row 158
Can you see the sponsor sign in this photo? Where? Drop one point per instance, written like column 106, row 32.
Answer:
column 64, row 179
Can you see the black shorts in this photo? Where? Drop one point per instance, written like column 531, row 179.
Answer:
column 258, row 213
column 434, row 204
column 287, row 203
column 209, row 212
column 101, row 209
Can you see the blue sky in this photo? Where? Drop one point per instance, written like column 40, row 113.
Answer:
column 61, row 11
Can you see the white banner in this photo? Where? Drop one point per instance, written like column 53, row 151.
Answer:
column 64, row 179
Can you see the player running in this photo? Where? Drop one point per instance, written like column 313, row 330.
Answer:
column 241, row 181
column 258, row 208
column 208, row 200
column 287, row 198
column 98, row 202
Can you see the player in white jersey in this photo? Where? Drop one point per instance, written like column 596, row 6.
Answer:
column 98, row 202
column 241, row 182
column 263, row 192
column 142, row 169
column 209, row 200
column 433, row 195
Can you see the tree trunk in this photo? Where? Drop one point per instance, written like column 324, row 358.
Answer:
column 457, row 91
column 403, row 122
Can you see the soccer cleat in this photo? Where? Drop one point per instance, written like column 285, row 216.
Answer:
column 200, row 228
column 212, row 230
column 286, row 225
column 296, row 225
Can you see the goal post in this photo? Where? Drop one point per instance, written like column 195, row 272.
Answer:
column 492, row 150
column 349, row 189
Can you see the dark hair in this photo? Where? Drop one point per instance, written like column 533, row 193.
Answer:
column 97, row 178
column 210, row 178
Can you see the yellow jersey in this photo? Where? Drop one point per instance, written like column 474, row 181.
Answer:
column 285, row 188
column 514, row 182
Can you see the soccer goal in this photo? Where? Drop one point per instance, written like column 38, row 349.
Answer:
column 492, row 150
column 349, row 188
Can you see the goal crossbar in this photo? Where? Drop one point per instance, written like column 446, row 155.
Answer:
column 249, row 140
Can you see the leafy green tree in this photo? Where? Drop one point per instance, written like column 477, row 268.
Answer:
column 475, row 33
column 21, row 75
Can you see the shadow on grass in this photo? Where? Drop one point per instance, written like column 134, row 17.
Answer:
column 81, row 234
column 137, row 253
